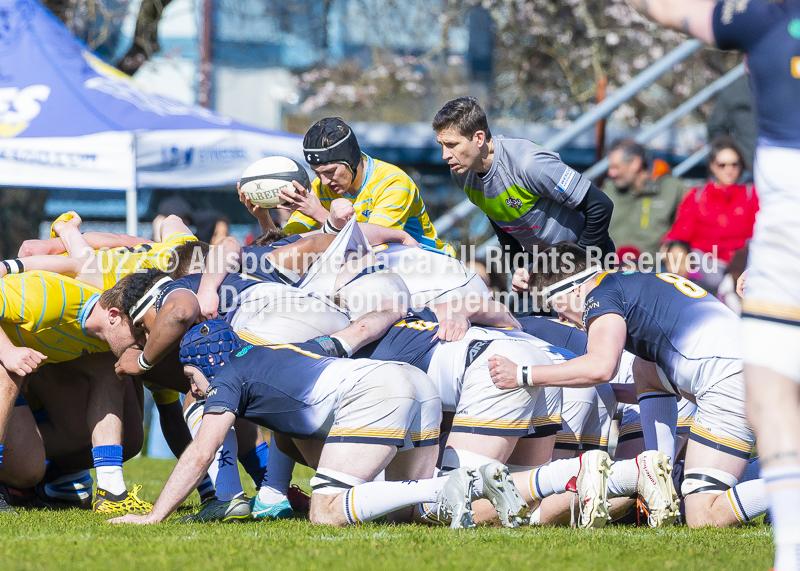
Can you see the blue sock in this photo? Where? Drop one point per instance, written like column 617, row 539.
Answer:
column 108, row 465
column 255, row 463
column 1, row 454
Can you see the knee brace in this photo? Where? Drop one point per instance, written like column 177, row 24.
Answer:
column 706, row 481
column 329, row 482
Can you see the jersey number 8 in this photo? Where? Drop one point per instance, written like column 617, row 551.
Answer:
column 684, row 286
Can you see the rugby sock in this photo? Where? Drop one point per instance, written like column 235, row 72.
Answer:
column 624, row 478
column 551, row 478
column 278, row 477
column 255, row 463
column 108, row 465
column 783, row 492
column 1, row 454
column 659, row 415
column 223, row 471
column 748, row 499
column 371, row 500
column 206, row 488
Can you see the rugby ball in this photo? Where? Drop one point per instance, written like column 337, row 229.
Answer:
column 263, row 179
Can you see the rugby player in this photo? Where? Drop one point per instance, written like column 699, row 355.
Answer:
column 378, row 192
column 767, row 33
column 351, row 419
column 693, row 340
column 533, row 200
column 48, row 318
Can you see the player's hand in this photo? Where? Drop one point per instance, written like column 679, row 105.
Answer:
column 341, row 212
column 128, row 364
column 21, row 360
column 209, row 304
column 75, row 221
column 519, row 282
column 254, row 209
column 452, row 328
column 135, row 519
column 304, row 202
column 33, row 248
column 409, row 241
column 740, row 283
column 503, row 372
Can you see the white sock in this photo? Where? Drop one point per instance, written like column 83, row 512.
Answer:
column 110, row 479
column 659, row 415
column 552, row 478
column 224, row 470
column 371, row 500
column 624, row 478
column 748, row 499
column 783, row 491
column 279, row 476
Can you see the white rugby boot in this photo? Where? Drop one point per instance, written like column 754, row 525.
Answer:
column 499, row 488
column 656, row 488
column 592, row 487
column 454, row 502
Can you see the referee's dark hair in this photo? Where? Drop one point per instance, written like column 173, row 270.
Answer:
column 464, row 115
column 631, row 149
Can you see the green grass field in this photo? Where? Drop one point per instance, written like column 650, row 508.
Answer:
column 73, row 539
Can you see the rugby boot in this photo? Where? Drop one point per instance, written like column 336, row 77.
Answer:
column 281, row 510
column 5, row 509
column 128, row 503
column 499, row 488
column 454, row 502
column 26, row 498
column 73, row 490
column 298, row 499
column 656, row 488
column 592, row 487
column 236, row 509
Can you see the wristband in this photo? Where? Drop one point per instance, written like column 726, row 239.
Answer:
column 143, row 364
column 334, row 346
column 523, row 376
column 329, row 228
column 14, row 266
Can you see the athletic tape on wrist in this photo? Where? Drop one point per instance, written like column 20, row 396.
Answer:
column 14, row 266
column 143, row 363
column 329, row 228
column 523, row 376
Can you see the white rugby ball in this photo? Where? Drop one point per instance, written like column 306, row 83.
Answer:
column 262, row 180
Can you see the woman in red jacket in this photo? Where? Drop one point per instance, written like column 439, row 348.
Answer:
column 722, row 213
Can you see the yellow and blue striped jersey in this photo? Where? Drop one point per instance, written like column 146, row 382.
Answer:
column 388, row 197
column 116, row 263
column 47, row 312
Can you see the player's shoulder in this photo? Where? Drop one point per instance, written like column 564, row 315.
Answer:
column 386, row 175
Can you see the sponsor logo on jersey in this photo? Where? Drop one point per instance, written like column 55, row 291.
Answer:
column 731, row 7
column 211, row 392
column 566, row 179
column 796, row 67
column 244, row 351
column 794, row 28
column 514, row 203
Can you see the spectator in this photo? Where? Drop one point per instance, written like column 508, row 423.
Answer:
column 676, row 258
column 645, row 197
column 719, row 217
column 726, row 292
column 733, row 116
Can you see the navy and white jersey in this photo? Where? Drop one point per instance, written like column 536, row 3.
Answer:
column 254, row 263
column 430, row 275
column 769, row 33
column 555, row 332
column 190, row 283
column 290, row 388
column 691, row 335
column 276, row 244
column 408, row 341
